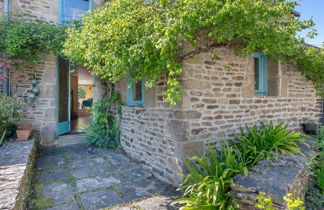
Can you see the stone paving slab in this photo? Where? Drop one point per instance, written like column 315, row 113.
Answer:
column 53, row 175
column 159, row 202
column 87, row 184
column 100, row 199
column 73, row 179
column 59, row 192
column 70, row 206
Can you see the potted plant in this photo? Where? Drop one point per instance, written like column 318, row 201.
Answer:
column 310, row 127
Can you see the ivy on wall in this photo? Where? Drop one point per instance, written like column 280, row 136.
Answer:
column 143, row 38
column 25, row 39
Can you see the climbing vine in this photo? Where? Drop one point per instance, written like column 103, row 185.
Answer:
column 25, row 39
column 144, row 38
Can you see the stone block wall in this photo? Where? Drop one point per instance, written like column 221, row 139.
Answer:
column 222, row 92
column 218, row 99
column 42, row 112
column 43, row 9
column 153, row 133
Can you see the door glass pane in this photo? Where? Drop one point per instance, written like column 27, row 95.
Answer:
column 257, row 73
column 63, row 90
column 137, row 91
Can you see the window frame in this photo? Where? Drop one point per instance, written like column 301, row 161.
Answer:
column 61, row 19
column 130, row 96
column 263, row 74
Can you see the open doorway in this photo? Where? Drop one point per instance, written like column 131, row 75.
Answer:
column 81, row 98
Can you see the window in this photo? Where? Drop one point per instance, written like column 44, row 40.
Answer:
column 73, row 9
column 260, row 74
column 135, row 92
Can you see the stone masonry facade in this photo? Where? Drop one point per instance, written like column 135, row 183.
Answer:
column 41, row 114
column 218, row 100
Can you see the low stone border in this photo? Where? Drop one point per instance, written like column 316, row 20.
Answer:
column 276, row 178
column 17, row 159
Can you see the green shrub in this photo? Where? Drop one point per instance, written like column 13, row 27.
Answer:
column 25, row 40
column 315, row 188
column 208, row 182
column 320, row 140
column 104, row 129
column 207, row 185
column 260, row 142
column 10, row 114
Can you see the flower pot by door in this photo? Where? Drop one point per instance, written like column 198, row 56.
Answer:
column 23, row 132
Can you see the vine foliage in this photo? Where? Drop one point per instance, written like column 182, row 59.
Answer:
column 144, row 38
column 25, row 39
column 104, row 130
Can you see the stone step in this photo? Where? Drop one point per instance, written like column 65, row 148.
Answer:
column 67, row 140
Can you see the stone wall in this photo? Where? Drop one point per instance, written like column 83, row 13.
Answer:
column 218, row 100
column 17, row 160
column 152, row 133
column 222, row 92
column 42, row 112
column 276, row 178
column 43, row 9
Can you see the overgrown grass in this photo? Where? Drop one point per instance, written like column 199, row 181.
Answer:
column 207, row 186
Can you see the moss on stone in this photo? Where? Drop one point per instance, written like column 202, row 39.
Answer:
column 38, row 189
column 43, row 203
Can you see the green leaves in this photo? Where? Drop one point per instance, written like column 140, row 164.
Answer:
column 207, row 185
column 24, row 40
column 104, row 131
column 208, row 182
column 133, row 37
column 260, row 142
column 11, row 110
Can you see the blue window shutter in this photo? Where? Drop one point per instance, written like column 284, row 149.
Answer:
column 262, row 74
column 130, row 92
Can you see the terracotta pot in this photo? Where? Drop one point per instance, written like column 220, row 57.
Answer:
column 23, row 132
column 24, row 127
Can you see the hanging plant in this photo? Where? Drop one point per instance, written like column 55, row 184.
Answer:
column 28, row 40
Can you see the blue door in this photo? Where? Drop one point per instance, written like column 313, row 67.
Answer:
column 63, row 97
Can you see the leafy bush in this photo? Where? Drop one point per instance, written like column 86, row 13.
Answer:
column 259, row 142
column 104, row 129
column 207, row 186
column 315, row 188
column 209, row 179
column 10, row 114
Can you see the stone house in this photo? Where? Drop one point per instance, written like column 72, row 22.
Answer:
column 216, row 101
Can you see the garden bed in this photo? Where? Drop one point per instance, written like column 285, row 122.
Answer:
column 17, row 160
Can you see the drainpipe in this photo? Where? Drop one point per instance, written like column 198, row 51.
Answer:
column 4, row 69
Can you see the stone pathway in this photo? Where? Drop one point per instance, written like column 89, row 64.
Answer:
column 69, row 178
